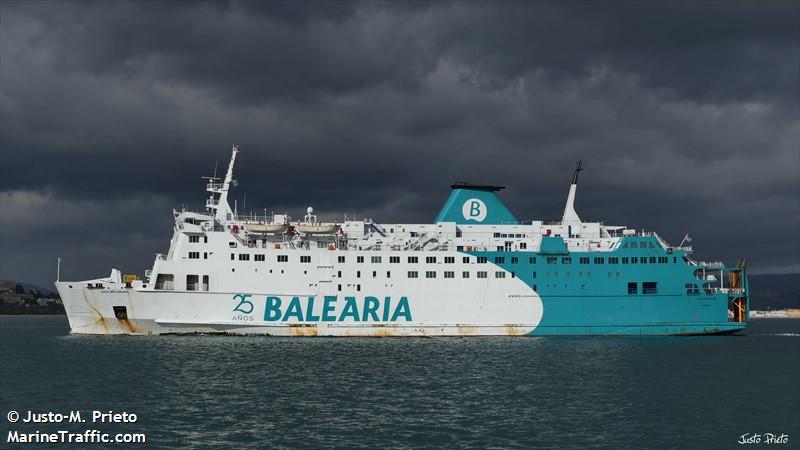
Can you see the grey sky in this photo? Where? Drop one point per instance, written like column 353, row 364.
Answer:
column 685, row 113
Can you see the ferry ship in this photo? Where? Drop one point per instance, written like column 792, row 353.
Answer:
column 476, row 270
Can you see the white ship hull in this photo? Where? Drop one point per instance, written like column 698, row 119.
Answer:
column 478, row 308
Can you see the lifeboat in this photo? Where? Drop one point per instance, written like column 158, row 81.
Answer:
column 256, row 227
column 317, row 228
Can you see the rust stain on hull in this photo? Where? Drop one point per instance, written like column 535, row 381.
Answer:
column 128, row 325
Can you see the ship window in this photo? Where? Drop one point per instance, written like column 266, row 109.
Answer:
column 358, row 287
column 205, row 239
column 375, row 259
column 634, row 244
column 388, row 274
column 552, row 260
column 412, row 274
column 465, row 260
column 460, row 248
column 643, row 260
column 305, row 259
column 534, row 274
column 338, row 274
column 194, row 239
column 598, row 260
column 449, row 259
column 500, row 248
column 414, row 234
column 632, row 289
column 394, row 259
column 649, row 287
column 413, row 259
column 341, row 259
column 359, row 259
column 283, row 258
column 674, row 259
column 514, row 260
column 634, row 260
column 339, row 287
column 430, row 274
column 523, row 245
column 497, row 235
column 534, row 287
column 465, row 274
column 205, row 255
column 481, row 274
column 232, row 244
column 458, row 233
column 233, row 256
column 613, row 260
column 566, row 260
column 260, row 257
column 165, row 281
column 244, row 257
column 692, row 289
column 532, row 260
column 499, row 274
column 499, row 259
column 625, row 244
column 652, row 260
column 194, row 255
column 205, row 283
column 513, row 274
column 481, row 260
column 624, row 260
column 374, row 274
column 651, row 245
column 358, row 274
column 449, row 274
column 430, row 259
column 191, row 282
column 584, row 260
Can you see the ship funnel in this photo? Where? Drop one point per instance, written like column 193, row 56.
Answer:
column 569, row 210
column 475, row 204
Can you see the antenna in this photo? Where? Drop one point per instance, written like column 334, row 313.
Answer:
column 58, row 270
column 578, row 168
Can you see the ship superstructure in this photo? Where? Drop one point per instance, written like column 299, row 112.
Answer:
column 476, row 270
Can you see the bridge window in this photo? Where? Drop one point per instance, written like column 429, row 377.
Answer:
column 165, row 281
column 481, row 274
column 413, row 274
column 649, row 287
column 375, row 259
column 632, row 289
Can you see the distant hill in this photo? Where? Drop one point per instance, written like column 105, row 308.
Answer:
column 774, row 291
column 29, row 286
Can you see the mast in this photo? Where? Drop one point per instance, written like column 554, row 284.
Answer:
column 569, row 209
column 223, row 212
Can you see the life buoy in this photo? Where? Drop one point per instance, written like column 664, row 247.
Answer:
column 235, row 229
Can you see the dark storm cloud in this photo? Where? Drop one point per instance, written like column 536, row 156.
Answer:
column 687, row 115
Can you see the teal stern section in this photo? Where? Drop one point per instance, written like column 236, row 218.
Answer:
column 475, row 204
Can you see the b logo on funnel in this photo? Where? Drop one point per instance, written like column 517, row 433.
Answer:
column 474, row 209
